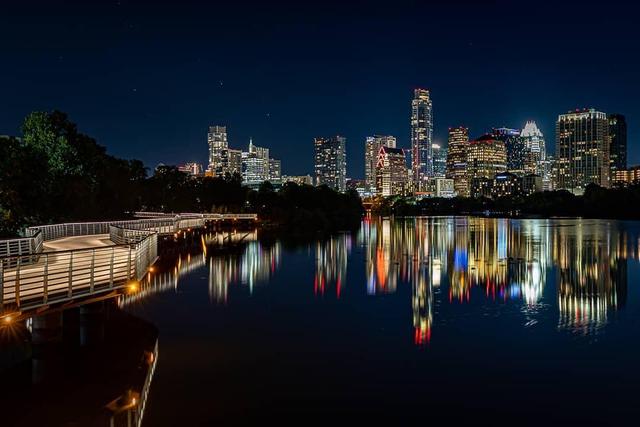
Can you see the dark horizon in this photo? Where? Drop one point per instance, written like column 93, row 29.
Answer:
column 146, row 79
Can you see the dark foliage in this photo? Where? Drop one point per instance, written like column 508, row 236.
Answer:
column 55, row 174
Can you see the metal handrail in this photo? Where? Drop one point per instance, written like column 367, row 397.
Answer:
column 64, row 275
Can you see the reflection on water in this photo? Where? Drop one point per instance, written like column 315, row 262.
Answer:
column 583, row 262
column 506, row 259
column 501, row 260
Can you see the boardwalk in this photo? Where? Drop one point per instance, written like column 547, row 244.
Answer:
column 64, row 262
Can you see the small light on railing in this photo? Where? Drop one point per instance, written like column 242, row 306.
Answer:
column 151, row 269
column 8, row 319
column 132, row 286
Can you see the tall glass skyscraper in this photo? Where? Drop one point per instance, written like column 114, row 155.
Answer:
column 582, row 149
column 618, row 147
column 514, row 144
column 439, row 160
column 331, row 162
column 421, row 138
column 535, row 148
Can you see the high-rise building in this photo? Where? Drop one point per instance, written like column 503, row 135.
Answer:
column 535, row 157
column 421, row 138
column 439, row 160
column 486, row 157
column 255, row 164
column 275, row 170
column 515, row 146
column 582, row 149
column 232, row 161
column 217, row 140
column 618, row 147
column 371, row 149
column 391, row 172
column 331, row 162
column 457, row 159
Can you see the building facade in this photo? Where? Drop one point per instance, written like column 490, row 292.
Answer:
column 457, row 159
column 391, row 172
column 439, row 160
column 421, row 138
column 255, row 165
column 515, row 146
column 582, row 149
column 298, row 179
column 371, row 149
column 534, row 148
column 217, row 140
column 331, row 162
column 618, row 146
column 486, row 157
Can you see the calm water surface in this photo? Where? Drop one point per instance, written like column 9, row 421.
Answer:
column 460, row 319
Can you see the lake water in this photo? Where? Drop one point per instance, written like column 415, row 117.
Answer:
column 449, row 319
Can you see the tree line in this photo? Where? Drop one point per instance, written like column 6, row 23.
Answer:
column 596, row 202
column 54, row 173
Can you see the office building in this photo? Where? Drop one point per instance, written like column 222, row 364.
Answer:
column 331, row 162
column 515, row 147
column 486, row 157
column 371, row 149
column 217, row 140
column 582, row 149
column 618, row 146
column 391, row 172
column 255, row 165
column 535, row 149
column 421, row 138
column 457, row 159
column 439, row 160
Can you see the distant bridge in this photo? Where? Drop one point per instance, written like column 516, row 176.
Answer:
column 59, row 263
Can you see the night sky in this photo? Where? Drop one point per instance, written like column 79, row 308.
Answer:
column 146, row 79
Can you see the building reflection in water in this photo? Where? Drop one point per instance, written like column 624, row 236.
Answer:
column 248, row 264
column 331, row 264
column 469, row 258
column 502, row 260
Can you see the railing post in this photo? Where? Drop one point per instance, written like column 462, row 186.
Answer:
column 70, row 274
column 129, row 264
column 93, row 263
column 17, row 284
column 45, row 280
column 1, row 285
column 111, row 268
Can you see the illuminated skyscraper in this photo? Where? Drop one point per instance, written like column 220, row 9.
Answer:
column 457, row 159
column 391, row 172
column 534, row 144
column 582, row 149
column 514, row 144
column 217, row 140
column 421, row 138
column 371, row 150
column 439, row 160
column 486, row 157
column 618, row 150
column 255, row 164
column 331, row 162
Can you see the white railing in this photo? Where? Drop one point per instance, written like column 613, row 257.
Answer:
column 65, row 275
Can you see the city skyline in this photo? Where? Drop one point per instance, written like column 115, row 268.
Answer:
column 147, row 82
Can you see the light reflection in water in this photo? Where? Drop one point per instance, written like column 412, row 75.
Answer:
column 581, row 263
